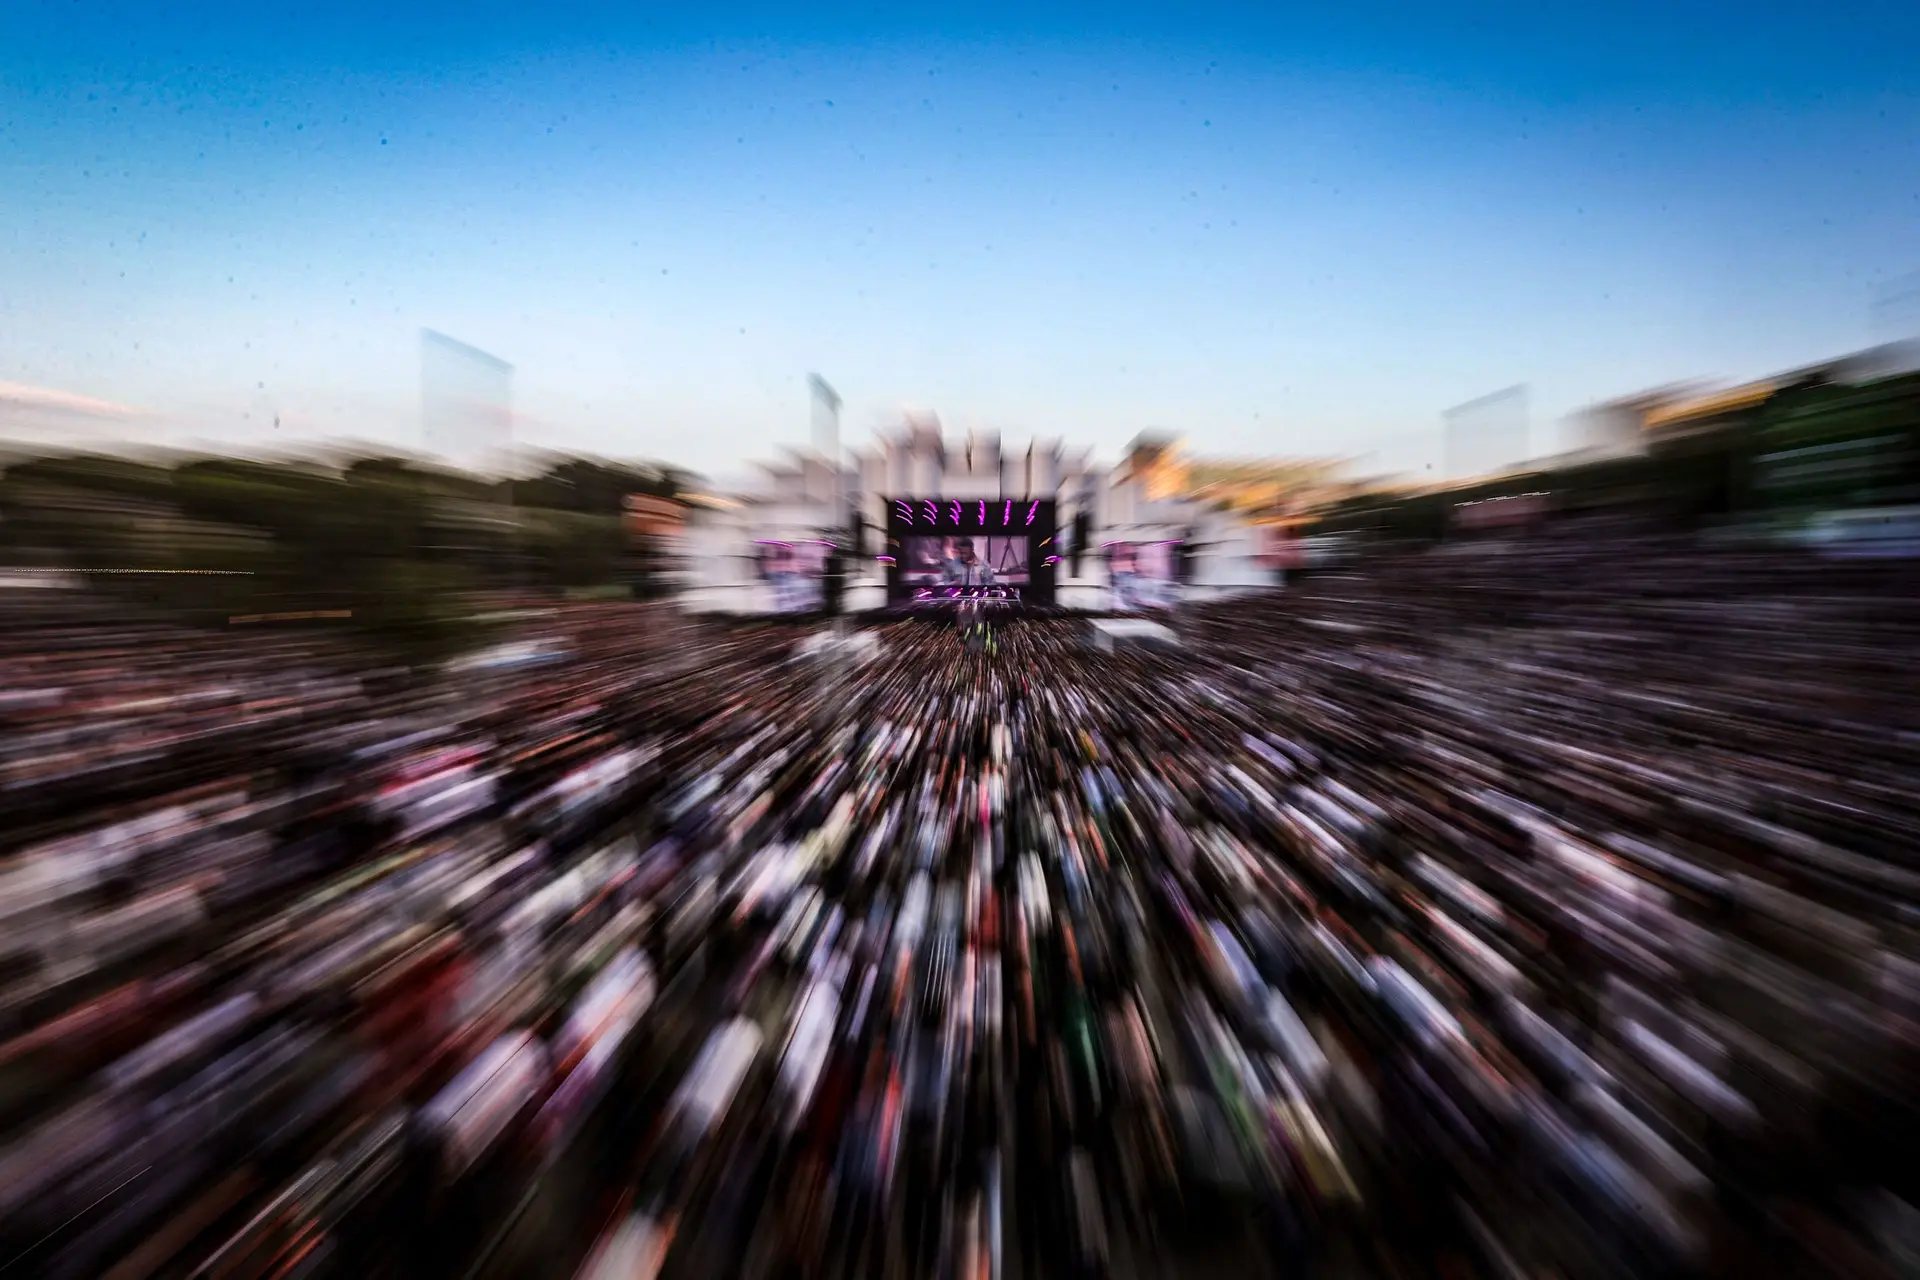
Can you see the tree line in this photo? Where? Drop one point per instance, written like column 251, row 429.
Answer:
column 403, row 546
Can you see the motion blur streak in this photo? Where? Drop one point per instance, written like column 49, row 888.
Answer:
column 1539, row 909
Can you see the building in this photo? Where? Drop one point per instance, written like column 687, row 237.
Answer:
column 1708, row 412
column 1261, row 489
column 1618, row 426
column 1489, row 435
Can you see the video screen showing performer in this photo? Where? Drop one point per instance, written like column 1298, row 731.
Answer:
column 795, row 572
column 961, row 561
column 1143, row 576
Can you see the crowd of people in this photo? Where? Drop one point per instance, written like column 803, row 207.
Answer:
column 1527, row 909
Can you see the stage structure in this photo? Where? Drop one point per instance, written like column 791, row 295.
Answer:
column 920, row 522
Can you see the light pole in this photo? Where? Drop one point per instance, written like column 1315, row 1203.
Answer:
column 826, row 443
column 1896, row 309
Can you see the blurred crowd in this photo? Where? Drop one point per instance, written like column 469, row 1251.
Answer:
column 1529, row 910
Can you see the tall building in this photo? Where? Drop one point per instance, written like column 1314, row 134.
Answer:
column 1489, row 435
column 466, row 404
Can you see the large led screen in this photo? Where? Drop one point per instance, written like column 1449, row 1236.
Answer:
column 1143, row 575
column 796, row 572
column 959, row 560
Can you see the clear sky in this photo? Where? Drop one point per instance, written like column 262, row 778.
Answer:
column 1284, row 230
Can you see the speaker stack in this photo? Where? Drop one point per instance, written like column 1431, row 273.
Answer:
column 832, row 582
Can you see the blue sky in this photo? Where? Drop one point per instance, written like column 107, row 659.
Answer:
column 1298, row 231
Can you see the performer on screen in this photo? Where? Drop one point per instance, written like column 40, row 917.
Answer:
column 960, row 567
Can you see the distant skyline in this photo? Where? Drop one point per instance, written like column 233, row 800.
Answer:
column 1307, row 232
